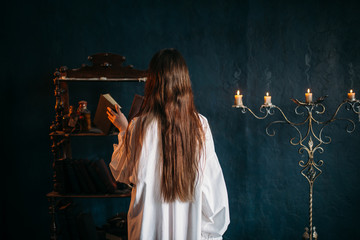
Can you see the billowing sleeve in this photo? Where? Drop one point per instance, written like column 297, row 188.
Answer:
column 215, row 206
column 121, row 164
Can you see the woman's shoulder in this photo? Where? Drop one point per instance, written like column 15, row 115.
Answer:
column 141, row 122
column 202, row 118
column 204, row 121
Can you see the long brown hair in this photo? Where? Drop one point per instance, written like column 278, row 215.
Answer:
column 169, row 100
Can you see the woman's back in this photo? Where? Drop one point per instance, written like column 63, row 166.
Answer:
column 150, row 217
column 168, row 154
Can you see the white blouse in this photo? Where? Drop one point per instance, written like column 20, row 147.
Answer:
column 207, row 217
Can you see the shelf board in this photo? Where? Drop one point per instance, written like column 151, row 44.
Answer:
column 102, row 79
column 62, row 133
column 107, row 195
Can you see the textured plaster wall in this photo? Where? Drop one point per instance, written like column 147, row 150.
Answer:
column 283, row 47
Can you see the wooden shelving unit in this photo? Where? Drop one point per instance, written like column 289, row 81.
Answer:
column 106, row 67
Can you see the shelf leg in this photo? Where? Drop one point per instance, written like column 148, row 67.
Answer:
column 52, row 212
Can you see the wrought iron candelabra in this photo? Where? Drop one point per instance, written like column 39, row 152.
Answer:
column 311, row 141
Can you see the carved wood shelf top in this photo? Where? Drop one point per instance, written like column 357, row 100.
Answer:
column 105, row 67
column 103, row 79
column 107, row 195
column 80, row 134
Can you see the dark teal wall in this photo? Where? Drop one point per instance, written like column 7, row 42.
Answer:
column 283, row 47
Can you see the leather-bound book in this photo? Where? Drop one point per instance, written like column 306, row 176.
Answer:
column 101, row 120
column 105, row 175
column 96, row 179
column 136, row 107
column 72, row 183
column 60, row 176
column 84, row 178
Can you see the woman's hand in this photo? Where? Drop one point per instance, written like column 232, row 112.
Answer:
column 117, row 118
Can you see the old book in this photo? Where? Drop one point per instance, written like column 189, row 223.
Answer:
column 136, row 107
column 98, row 182
column 101, row 120
column 72, row 183
column 105, row 175
column 60, row 176
column 86, row 183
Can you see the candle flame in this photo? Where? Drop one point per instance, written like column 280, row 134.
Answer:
column 351, row 91
column 267, row 93
column 238, row 92
column 308, row 90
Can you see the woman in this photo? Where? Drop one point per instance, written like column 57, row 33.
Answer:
column 167, row 153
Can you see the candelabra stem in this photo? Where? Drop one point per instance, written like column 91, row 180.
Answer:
column 310, row 210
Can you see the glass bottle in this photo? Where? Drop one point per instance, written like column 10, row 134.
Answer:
column 73, row 123
column 84, row 116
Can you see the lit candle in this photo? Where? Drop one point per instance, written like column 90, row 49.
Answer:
column 238, row 99
column 351, row 95
column 308, row 96
column 267, row 99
